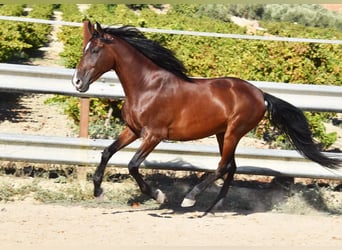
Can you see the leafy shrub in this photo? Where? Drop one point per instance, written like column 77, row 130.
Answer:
column 12, row 10
column 315, row 120
column 99, row 129
column 35, row 33
column 71, row 36
column 19, row 38
column 10, row 42
column 225, row 11
column 319, row 131
column 305, row 14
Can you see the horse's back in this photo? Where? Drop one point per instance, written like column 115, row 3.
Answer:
column 232, row 87
column 242, row 99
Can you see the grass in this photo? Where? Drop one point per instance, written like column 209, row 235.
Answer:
column 122, row 191
column 64, row 191
column 311, row 199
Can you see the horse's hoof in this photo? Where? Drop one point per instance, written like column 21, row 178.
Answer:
column 188, row 202
column 160, row 196
column 98, row 192
column 100, row 198
column 219, row 205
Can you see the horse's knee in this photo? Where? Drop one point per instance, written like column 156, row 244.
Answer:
column 106, row 153
column 97, row 178
column 132, row 169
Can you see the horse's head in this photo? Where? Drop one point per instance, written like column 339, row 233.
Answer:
column 95, row 60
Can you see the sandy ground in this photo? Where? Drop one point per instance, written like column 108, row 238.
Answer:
column 30, row 225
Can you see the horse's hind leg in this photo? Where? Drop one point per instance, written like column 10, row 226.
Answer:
column 190, row 198
column 226, row 184
column 227, row 149
column 126, row 137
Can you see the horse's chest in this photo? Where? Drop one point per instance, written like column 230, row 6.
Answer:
column 135, row 116
column 131, row 117
column 145, row 119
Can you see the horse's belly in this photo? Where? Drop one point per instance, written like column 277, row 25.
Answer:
column 185, row 130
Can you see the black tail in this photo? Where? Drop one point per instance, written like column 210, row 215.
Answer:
column 293, row 123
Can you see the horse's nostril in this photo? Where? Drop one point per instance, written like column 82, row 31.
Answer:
column 76, row 83
column 75, row 80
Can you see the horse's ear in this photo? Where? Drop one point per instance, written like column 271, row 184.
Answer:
column 88, row 30
column 98, row 29
column 90, row 27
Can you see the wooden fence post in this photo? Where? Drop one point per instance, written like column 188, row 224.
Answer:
column 84, row 111
column 84, row 102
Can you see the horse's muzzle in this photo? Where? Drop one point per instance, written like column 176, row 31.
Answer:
column 80, row 85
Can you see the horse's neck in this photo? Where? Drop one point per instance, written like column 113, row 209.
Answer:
column 131, row 68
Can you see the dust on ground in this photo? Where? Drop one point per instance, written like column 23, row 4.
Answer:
column 245, row 219
column 48, row 225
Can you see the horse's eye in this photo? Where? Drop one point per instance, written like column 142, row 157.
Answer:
column 95, row 50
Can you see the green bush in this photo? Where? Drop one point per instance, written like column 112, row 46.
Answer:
column 319, row 133
column 71, row 36
column 225, row 11
column 18, row 39
column 11, row 42
column 305, row 14
column 12, row 10
column 35, row 33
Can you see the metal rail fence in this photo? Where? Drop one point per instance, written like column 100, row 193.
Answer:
column 173, row 156
column 185, row 32
column 167, row 155
column 38, row 79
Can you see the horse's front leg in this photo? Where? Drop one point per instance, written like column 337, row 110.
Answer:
column 148, row 144
column 126, row 137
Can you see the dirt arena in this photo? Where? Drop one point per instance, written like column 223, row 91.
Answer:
column 247, row 217
column 29, row 225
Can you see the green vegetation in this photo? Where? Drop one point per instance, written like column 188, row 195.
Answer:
column 310, row 199
column 305, row 14
column 18, row 39
column 276, row 139
column 71, row 36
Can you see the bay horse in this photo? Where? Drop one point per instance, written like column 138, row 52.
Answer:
column 163, row 103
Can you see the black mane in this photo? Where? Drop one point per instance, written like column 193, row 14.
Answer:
column 160, row 55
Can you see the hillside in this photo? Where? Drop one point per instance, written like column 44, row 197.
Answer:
column 333, row 7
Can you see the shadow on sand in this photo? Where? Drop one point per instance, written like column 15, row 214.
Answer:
column 244, row 197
